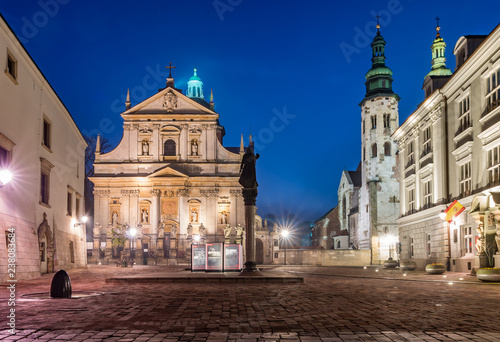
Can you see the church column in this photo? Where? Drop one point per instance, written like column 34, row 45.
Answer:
column 183, row 220
column 134, row 137
column 211, row 141
column 156, row 143
column 134, row 208
column 204, row 142
column 183, row 142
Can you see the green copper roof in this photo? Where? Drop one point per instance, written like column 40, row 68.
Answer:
column 438, row 48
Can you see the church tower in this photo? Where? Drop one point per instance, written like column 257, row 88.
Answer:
column 379, row 193
column 195, row 87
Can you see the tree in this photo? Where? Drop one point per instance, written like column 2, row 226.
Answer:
column 89, row 172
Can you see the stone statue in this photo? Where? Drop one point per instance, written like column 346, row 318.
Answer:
column 170, row 102
column 479, row 242
column 239, row 231
column 115, row 218
column 190, row 230
column 194, row 215
column 173, row 231
column 202, row 231
column 227, row 231
column 223, row 218
column 145, row 148
column 194, row 148
column 497, row 240
column 144, row 216
column 248, row 178
column 97, row 229
column 161, row 229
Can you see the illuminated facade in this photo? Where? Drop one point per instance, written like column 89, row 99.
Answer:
column 44, row 150
column 170, row 178
column 449, row 150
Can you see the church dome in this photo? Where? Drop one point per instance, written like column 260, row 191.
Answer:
column 195, row 87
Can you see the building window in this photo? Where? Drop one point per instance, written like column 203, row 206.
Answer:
column 363, row 126
column 72, row 251
column 169, row 148
column 387, row 121
column 464, row 115
column 427, row 194
column 374, row 121
column 411, row 201
column 387, row 148
column 11, row 67
column 410, row 153
column 46, row 166
column 77, row 207
column 468, row 238
column 427, row 148
column 46, row 133
column 428, row 245
column 493, row 91
column 69, row 203
column 4, row 158
column 374, row 150
column 412, row 251
column 343, row 208
column 465, row 179
column 364, row 153
column 494, row 166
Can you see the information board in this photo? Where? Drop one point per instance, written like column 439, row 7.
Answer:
column 233, row 257
column 214, row 257
column 198, row 257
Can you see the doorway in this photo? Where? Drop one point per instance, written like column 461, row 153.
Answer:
column 259, row 251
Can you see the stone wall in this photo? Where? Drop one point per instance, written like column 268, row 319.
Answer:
column 325, row 257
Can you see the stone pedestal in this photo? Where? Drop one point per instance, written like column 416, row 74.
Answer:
column 249, row 197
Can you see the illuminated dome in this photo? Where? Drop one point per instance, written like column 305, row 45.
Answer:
column 195, row 87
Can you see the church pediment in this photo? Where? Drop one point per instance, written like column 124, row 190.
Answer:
column 169, row 101
column 167, row 172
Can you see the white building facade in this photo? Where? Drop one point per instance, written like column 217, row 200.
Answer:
column 170, row 178
column 450, row 150
column 43, row 149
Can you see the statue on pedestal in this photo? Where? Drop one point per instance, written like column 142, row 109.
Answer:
column 173, row 231
column 160, row 230
column 97, row 229
column 189, row 230
column 248, row 177
column 202, row 231
column 227, row 233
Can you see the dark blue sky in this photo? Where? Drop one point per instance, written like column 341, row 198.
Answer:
column 263, row 59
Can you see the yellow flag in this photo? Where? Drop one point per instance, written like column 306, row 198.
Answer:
column 453, row 211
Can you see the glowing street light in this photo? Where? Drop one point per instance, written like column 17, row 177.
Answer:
column 5, row 177
column 196, row 239
column 284, row 234
column 132, row 232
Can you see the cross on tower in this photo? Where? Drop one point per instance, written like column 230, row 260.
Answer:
column 437, row 27
column 378, row 23
column 170, row 67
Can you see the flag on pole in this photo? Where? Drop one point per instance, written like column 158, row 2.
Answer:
column 453, row 211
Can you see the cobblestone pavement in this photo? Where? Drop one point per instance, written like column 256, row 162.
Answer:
column 333, row 304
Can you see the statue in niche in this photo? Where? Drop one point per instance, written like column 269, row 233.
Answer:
column 248, row 177
column 145, row 148
column 173, row 231
column 202, row 231
column 227, row 231
column 144, row 216
column 115, row 218
column 239, row 231
column 194, row 147
column 194, row 215
column 190, row 230
column 223, row 217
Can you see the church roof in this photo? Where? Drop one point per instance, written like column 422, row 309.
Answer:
column 355, row 177
column 233, row 149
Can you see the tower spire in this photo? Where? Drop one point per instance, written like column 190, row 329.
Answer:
column 242, row 144
column 212, row 104
column 378, row 24
column 195, row 86
column 438, row 48
column 170, row 79
column 437, row 27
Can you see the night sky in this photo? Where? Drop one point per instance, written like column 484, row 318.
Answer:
column 263, row 59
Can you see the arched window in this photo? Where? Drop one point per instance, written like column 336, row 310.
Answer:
column 338, row 244
column 387, row 148
column 169, row 148
column 374, row 150
column 343, row 208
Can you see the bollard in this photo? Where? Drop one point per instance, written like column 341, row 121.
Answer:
column 61, row 285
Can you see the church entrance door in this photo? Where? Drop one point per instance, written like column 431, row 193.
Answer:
column 43, row 256
column 259, row 251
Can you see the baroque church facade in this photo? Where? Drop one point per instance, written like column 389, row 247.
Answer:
column 170, row 178
column 369, row 196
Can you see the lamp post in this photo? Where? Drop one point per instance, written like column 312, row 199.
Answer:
column 284, row 235
column 196, row 239
column 132, row 232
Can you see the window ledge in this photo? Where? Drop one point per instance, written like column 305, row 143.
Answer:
column 463, row 134
column 44, row 204
column 489, row 115
column 12, row 78
column 47, row 148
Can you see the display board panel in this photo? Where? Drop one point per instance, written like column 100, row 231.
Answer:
column 198, row 258
column 233, row 257
column 214, row 257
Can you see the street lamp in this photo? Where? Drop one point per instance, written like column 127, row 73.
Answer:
column 132, row 232
column 196, row 239
column 5, row 177
column 284, row 235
